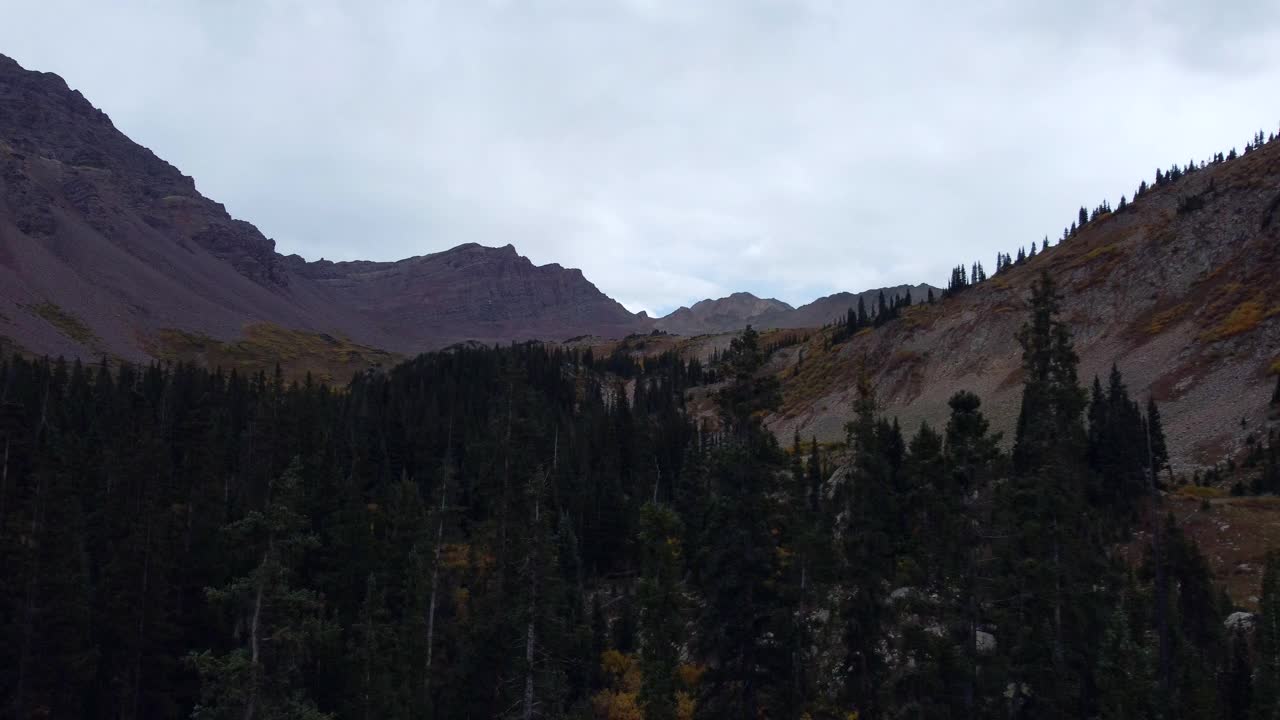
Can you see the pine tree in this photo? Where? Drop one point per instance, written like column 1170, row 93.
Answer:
column 262, row 678
column 1237, row 696
column 1266, row 693
column 1124, row 671
column 1157, row 448
column 972, row 454
column 738, row 559
column 1048, row 556
column 869, row 505
column 661, row 628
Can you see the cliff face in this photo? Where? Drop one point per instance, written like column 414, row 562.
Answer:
column 103, row 246
column 1180, row 289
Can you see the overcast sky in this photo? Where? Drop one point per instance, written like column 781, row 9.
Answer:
column 672, row 149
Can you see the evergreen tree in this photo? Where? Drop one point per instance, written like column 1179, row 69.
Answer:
column 867, row 554
column 1124, row 672
column 262, row 676
column 1158, row 449
column 1237, row 695
column 737, row 563
column 661, row 628
column 1048, row 557
column 1266, row 693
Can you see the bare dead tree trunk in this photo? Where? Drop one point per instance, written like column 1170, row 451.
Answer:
column 506, row 476
column 142, row 617
column 4, row 481
column 29, row 602
column 254, row 629
column 1058, row 654
column 530, row 638
column 1162, row 579
column 971, row 651
column 435, row 578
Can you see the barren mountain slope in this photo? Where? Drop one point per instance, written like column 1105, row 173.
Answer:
column 1181, row 289
column 106, row 249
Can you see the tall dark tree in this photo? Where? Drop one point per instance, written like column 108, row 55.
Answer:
column 1266, row 694
column 1049, row 556
column 261, row 675
column 661, row 624
column 868, row 553
column 738, row 560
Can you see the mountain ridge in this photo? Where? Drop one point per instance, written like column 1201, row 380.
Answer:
column 112, row 240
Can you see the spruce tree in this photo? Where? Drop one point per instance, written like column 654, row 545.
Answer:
column 870, row 509
column 737, row 565
column 1158, row 449
column 661, row 626
column 261, row 676
column 1049, row 556
column 1124, row 671
column 1266, row 694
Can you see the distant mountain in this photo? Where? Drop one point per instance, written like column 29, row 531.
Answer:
column 730, row 314
column 723, row 315
column 472, row 292
column 105, row 249
column 832, row 308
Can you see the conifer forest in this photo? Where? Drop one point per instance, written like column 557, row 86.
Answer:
column 530, row 531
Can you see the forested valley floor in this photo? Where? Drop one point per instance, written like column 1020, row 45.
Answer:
column 529, row 531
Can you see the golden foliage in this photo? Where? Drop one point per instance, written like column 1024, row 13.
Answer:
column 1100, row 251
column 455, row 556
column 616, row 705
column 618, row 701
column 621, row 668
column 1162, row 320
column 265, row 345
column 691, row 674
column 1200, row 491
column 685, row 705
column 461, row 603
column 1245, row 317
column 66, row 323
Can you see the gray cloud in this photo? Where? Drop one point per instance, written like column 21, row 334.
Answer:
column 672, row 150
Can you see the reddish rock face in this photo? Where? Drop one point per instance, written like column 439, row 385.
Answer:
column 119, row 241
